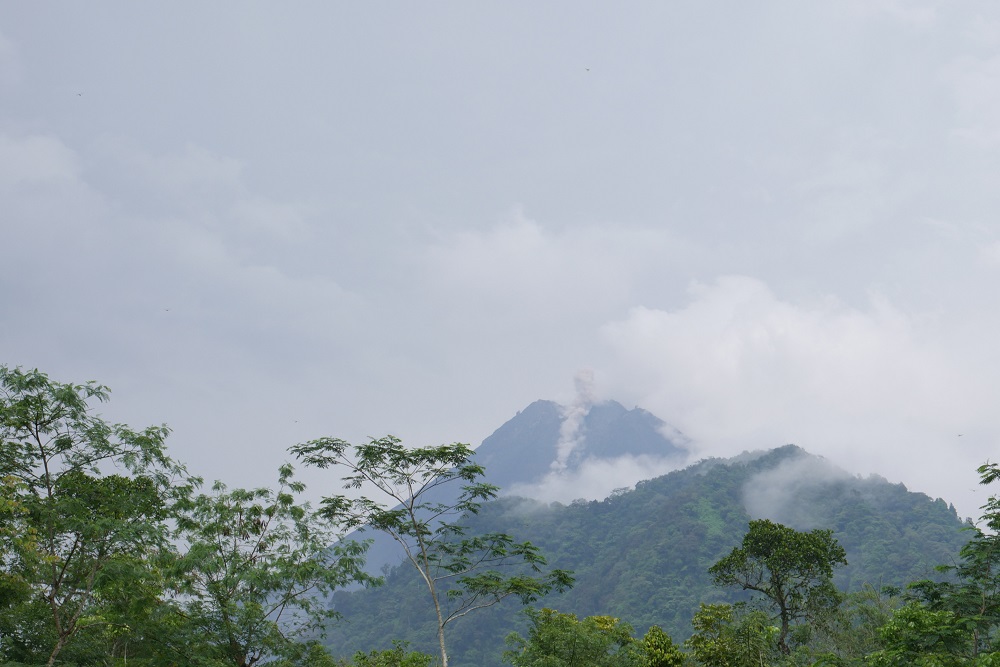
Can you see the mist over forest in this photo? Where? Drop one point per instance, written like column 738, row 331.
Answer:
column 639, row 335
column 112, row 551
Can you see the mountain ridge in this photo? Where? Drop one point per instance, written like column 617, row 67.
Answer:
column 521, row 453
column 643, row 554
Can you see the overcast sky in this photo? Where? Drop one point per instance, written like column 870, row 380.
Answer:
column 765, row 222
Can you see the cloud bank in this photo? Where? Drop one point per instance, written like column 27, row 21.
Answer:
column 872, row 389
column 594, row 478
column 771, row 494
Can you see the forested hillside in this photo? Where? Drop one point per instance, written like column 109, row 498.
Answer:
column 643, row 555
column 111, row 553
column 522, row 451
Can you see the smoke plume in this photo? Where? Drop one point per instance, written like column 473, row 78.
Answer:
column 571, row 430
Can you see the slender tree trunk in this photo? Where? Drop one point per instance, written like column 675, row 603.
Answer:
column 55, row 651
column 437, row 609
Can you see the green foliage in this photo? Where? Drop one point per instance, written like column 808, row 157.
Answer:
column 644, row 555
column 91, row 573
column 853, row 631
column 659, row 650
column 71, row 522
column 111, row 556
column 556, row 639
column 256, row 570
column 971, row 593
column 461, row 573
column 397, row 656
column 18, row 539
column 951, row 623
column 793, row 570
column 918, row 636
column 723, row 639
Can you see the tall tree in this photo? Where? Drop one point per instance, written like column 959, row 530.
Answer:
column 462, row 573
column 793, row 571
column 257, row 569
column 89, row 493
column 972, row 591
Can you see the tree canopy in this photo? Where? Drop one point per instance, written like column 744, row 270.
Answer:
column 793, row 571
column 111, row 554
column 109, row 551
column 71, row 523
column 256, row 569
column 462, row 573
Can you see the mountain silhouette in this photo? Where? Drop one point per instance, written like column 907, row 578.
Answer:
column 643, row 555
column 525, row 448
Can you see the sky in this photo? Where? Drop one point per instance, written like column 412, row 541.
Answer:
column 262, row 223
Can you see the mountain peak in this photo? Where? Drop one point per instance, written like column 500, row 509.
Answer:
column 546, row 437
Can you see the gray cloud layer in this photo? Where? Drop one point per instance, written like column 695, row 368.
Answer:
column 764, row 223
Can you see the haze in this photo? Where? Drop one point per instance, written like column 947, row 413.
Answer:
column 261, row 223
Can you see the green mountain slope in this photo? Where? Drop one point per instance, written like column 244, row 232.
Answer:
column 643, row 555
column 524, row 448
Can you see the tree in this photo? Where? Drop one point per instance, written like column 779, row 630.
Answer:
column 972, row 591
column 556, row 639
column 853, row 630
column 462, row 573
column 17, row 536
column 75, row 520
column 918, row 636
column 659, row 650
column 793, row 570
column 723, row 638
column 256, row 569
column 397, row 656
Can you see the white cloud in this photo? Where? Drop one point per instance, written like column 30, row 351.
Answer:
column 984, row 31
column 990, row 252
column 281, row 221
column 166, row 186
column 197, row 242
column 917, row 13
column 594, row 478
column 525, row 267
column 738, row 368
column 251, row 295
column 171, row 279
column 771, row 493
column 235, row 248
column 194, row 170
column 51, row 215
column 975, row 82
column 34, row 160
column 516, row 259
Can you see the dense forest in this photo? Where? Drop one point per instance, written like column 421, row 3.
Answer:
column 113, row 554
column 643, row 555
